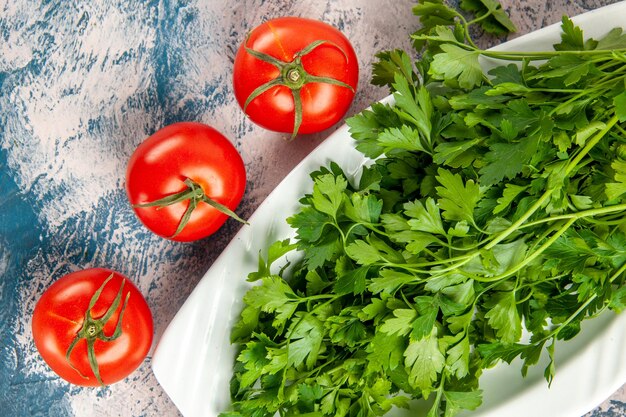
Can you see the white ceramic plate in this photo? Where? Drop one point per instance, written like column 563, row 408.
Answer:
column 193, row 359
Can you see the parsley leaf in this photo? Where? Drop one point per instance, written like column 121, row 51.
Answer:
column 503, row 316
column 619, row 101
column 457, row 199
column 506, row 160
column 461, row 400
column 572, row 37
column 328, row 193
column 425, row 219
column 457, row 64
column 425, row 361
column 305, row 340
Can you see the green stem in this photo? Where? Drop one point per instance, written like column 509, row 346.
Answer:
column 621, row 130
column 590, row 144
column 194, row 194
column 516, row 225
column 293, row 76
column 544, row 235
column 375, row 229
column 536, row 253
column 544, row 280
column 579, row 215
column 479, row 19
column 435, row 263
column 440, row 389
column 540, row 55
column 93, row 328
column 316, row 297
column 609, row 80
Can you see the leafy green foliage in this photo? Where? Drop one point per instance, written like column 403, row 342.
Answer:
column 494, row 207
column 457, row 63
column 494, row 18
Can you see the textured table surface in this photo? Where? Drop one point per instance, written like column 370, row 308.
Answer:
column 82, row 83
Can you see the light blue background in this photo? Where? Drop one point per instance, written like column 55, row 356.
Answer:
column 81, row 85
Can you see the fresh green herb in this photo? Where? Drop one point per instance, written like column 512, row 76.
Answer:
column 495, row 207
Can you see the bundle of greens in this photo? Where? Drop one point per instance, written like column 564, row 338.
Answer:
column 489, row 226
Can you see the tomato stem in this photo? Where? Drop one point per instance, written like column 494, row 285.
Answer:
column 293, row 76
column 93, row 328
column 194, row 194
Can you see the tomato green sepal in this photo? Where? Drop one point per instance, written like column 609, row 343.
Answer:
column 194, row 194
column 93, row 329
column 293, row 76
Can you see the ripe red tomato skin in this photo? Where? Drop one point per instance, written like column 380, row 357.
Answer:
column 162, row 162
column 59, row 314
column 323, row 104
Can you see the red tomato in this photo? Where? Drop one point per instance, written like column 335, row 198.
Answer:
column 279, row 51
column 64, row 322
column 177, row 176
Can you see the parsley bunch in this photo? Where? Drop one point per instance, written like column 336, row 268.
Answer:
column 490, row 223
